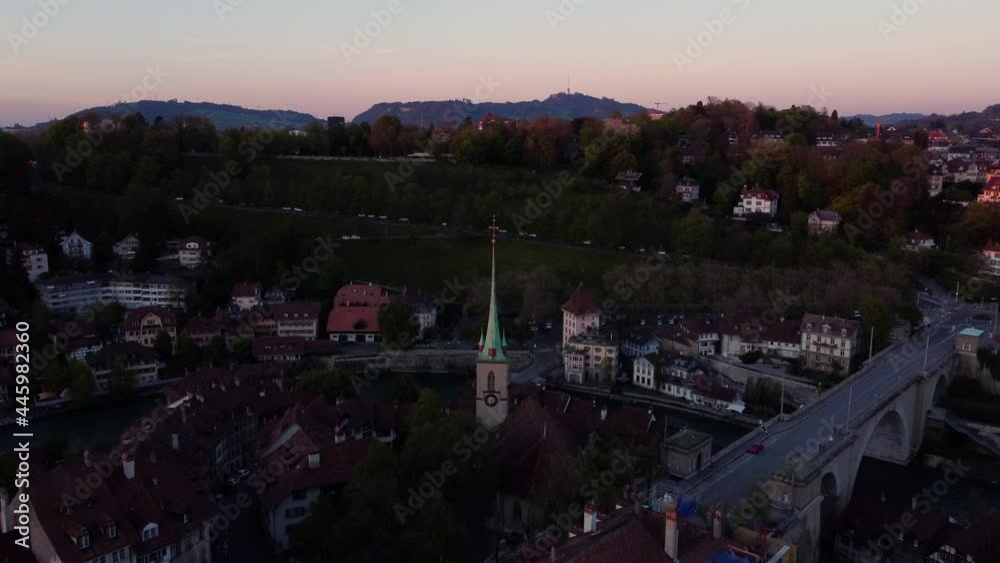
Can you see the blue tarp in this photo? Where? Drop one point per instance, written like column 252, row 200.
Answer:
column 686, row 507
column 726, row 557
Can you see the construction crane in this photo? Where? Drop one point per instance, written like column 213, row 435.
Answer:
column 658, row 104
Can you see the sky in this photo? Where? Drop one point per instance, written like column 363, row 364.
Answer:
column 338, row 57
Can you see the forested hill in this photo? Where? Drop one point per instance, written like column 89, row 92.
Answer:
column 452, row 112
column 223, row 116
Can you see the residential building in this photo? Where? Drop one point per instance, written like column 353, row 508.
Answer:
column 424, row 310
column 76, row 247
column 193, row 252
column 935, row 179
column 823, row 222
column 990, row 259
column 203, row 330
column 732, row 137
column 826, row 141
column 126, row 248
column 354, row 315
column 144, row 325
column 581, row 314
column 961, row 170
column 246, row 296
column 937, row 140
column 991, row 194
column 289, row 348
column 676, row 372
column 317, row 444
column 139, row 362
column 756, row 201
column 828, row 343
column 140, row 512
column 686, row 452
column 639, row 343
column 591, row 358
column 629, row 180
column 917, row 241
column 694, row 336
column 297, row 318
column 77, row 293
column 771, row 335
column 34, row 260
column 688, row 190
column 75, row 339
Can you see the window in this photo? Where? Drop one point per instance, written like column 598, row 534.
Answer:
column 150, row 531
column 112, row 530
column 491, row 382
column 120, row 555
column 83, row 541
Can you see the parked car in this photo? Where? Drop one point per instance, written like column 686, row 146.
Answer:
column 756, row 447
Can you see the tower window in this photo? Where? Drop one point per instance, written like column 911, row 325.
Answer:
column 491, row 382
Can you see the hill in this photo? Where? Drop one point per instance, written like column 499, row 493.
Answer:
column 564, row 106
column 224, row 116
column 889, row 118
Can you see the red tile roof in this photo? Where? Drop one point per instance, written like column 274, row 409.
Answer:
column 582, row 302
column 353, row 319
column 296, row 310
column 836, row 325
column 357, row 295
column 246, row 289
column 757, row 193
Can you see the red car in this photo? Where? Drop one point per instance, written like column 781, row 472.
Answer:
column 755, row 448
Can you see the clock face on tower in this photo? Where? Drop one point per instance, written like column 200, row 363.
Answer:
column 490, row 399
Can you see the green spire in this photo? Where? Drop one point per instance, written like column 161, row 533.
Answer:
column 493, row 343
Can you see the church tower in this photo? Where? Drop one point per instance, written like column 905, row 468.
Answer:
column 492, row 370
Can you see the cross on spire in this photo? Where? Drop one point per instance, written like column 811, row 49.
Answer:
column 493, row 229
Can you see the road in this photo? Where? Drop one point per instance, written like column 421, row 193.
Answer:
column 733, row 477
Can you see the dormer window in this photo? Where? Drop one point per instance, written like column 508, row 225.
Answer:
column 83, row 541
column 150, row 531
column 112, row 530
column 187, row 517
column 843, row 332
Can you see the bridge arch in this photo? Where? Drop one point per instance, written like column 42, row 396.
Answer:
column 889, row 438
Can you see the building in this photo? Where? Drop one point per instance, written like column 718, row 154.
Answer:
column 639, row 343
column 127, row 248
column 581, row 314
column 937, row 140
column 823, row 222
column 757, row 202
column 140, row 364
column 991, row 194
column 137, row 510
column 34, row 260
column 826, row 141
column 492, row 368
column 76, row 247
column 694, row 336
column 424, row 310
column 935, row 180
column 144, row 325
column 688, row 190
column 774, row 337
column 245, row 296
column 629, row 180
column 961, row 170
column 591, row 358
column 202, row 330
column 828, row 343
column 990, row 259
column 73, row 294
column 917, row 241
column 354, row 315
column 297, row 318
column 687, row 452
column 317, row 444
column 75, row 339
column 192, row 252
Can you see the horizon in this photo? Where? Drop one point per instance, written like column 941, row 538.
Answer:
column 340, row 60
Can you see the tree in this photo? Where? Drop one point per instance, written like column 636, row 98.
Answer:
column 164, row 345
column 876, row 317
column 405, row 389
column 394, row 322
column 188, row 353
column 243, row 350
column 81, row 381
column 121, row 380
column 15, row 168
column 218, row 352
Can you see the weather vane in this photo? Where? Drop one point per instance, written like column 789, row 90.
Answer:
column 493, row 228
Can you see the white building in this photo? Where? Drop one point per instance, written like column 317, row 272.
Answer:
column 73, row 294
column 76, row 247
column 640, row 343
column 33, row 258
column 917, row 241
column 581, row 314
column 126, row 248
column 990, row 259
column 757, row 202
column 688, row 190
column 192, row 252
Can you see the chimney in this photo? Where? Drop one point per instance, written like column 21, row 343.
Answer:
column 314, row 460
column 175, row 441
column 590, row 518
column 128, row 467
column 86, row 458
column 671, row 533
